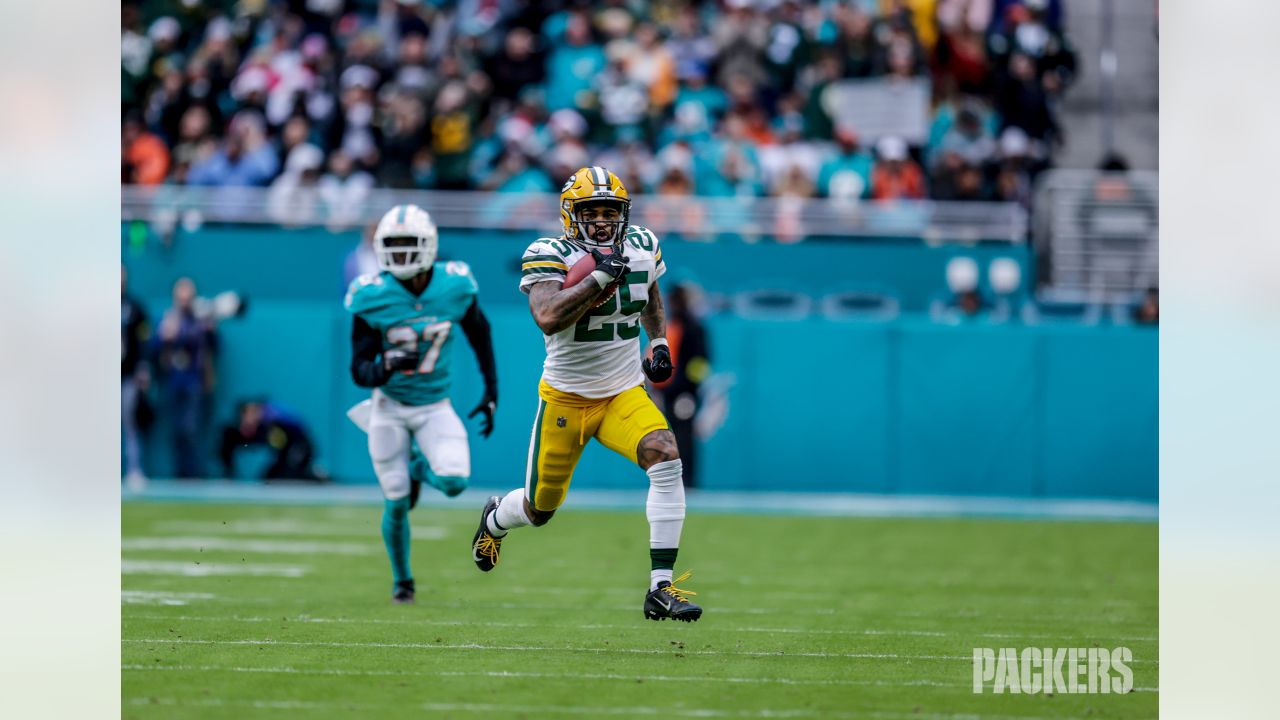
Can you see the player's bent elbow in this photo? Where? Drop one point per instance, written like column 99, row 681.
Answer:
column 547, row 323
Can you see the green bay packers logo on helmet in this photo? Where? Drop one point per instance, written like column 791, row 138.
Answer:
column 595, row 191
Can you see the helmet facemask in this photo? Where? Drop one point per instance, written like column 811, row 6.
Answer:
column 405, row 255
column 603, row 216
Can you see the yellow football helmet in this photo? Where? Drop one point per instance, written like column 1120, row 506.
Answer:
column 589, row 186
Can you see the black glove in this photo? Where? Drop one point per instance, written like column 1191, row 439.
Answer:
column 660, row 368
column 614, row 265
column 396, row 359
column 488, row 404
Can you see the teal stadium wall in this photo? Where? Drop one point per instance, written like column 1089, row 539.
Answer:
column 901, row 406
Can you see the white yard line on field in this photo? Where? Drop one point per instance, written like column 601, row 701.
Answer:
column 486, row 623
column 556, row 676
column 605, row 626
column 250, row 545
column 543, row 675
column 204, row 569
column 287, row 526
column 541, row 648
column 529, row 709
column 149, row 597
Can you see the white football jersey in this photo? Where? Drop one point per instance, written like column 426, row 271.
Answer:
column 599, row 356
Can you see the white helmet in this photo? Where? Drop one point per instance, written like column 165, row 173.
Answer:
column 406, row 221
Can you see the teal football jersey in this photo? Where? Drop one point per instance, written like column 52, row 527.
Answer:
column 425, row 324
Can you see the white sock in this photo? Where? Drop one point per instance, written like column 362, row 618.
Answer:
column 509, row 515
column 665, row 510
column 657, row 576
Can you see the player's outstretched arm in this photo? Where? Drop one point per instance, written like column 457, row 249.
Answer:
column 367, row 369
column 476, row 326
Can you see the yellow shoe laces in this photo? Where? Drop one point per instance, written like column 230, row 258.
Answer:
column 679, row 593
column 487, row 546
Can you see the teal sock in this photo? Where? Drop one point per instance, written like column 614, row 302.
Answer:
column 395, row 533
column 420, row 471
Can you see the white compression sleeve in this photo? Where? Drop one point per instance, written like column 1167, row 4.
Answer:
column 665, row 505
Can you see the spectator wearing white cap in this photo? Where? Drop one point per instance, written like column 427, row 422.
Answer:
column 294, row 196
column 344, row 189
column 895, row 176
column 1014, row 172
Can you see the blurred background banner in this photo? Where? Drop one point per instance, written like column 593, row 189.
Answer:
column 882, row 108
column 923, row 233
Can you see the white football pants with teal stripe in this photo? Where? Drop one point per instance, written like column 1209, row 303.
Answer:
column 438, row 431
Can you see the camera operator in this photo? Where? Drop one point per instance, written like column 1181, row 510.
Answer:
column 186, row 342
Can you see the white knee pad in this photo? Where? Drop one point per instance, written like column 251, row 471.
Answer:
column 389, row 450
column 443, row 440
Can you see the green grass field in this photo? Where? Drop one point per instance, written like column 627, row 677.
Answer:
column 256, row 611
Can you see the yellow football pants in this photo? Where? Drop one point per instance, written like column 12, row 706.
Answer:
column 564, row 424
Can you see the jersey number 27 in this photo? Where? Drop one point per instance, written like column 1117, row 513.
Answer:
column 435, row 334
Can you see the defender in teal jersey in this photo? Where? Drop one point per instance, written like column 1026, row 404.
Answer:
column 405, row 319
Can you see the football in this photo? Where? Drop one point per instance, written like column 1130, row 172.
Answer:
column 582, row 269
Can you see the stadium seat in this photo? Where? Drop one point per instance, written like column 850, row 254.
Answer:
column 859, row 305
column 1047, row 311
column 772, row 304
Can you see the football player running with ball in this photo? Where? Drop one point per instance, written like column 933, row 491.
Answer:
column 404, row 322
column 592, row 383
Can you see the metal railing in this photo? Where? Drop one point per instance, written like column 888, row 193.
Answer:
column 694, row 218
column 1097, row 233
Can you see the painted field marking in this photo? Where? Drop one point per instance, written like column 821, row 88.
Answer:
column 424, row 601
column 561, row 676
column 505, row 709
column 249, row 545
column 605, row 626
column 204, row 569
column 553, row 676
column 149, row 597
column 286, row 526
column 539, row 648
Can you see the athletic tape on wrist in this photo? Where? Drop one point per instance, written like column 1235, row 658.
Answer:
column 601, row 277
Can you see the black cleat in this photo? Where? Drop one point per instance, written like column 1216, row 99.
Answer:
column 403, row 594
column 485, row 547
column 669, row 601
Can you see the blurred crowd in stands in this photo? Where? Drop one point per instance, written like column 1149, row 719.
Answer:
column 719, row 98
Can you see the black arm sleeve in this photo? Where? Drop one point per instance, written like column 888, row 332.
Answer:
column 476, row 326
column 367, row 369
